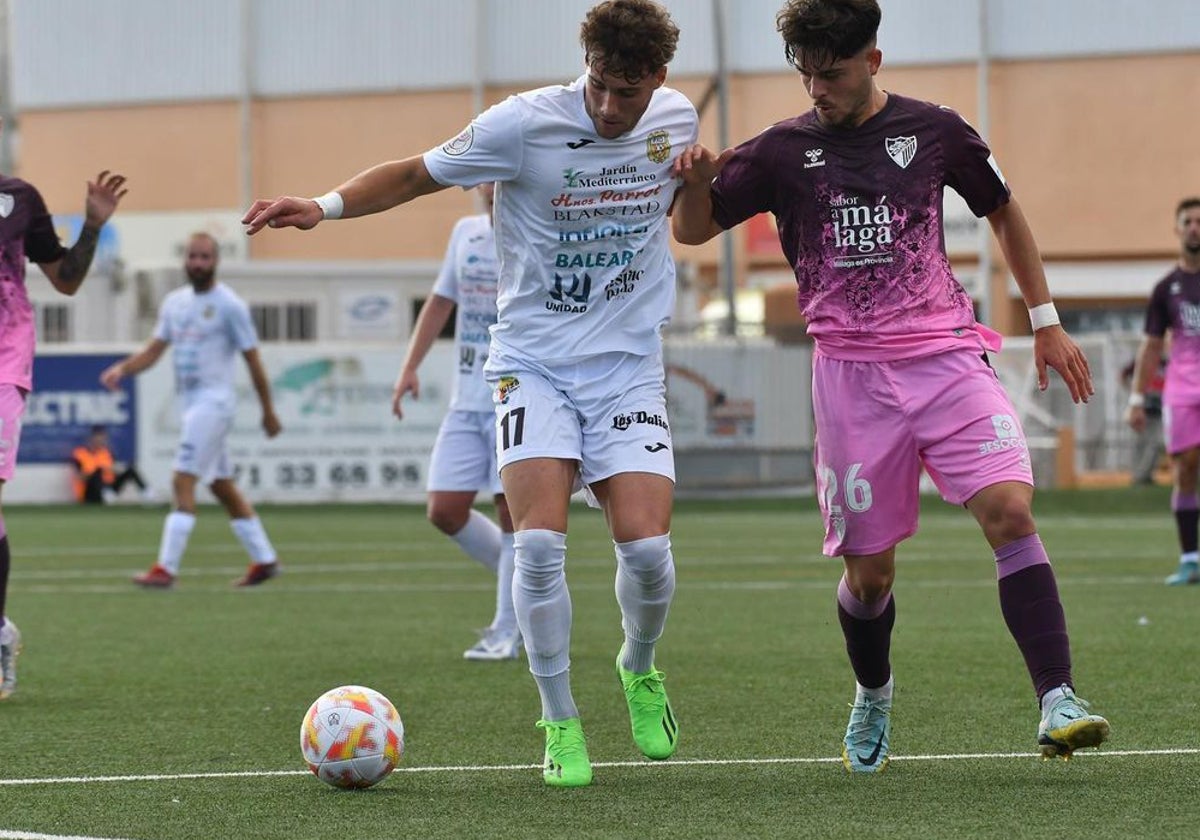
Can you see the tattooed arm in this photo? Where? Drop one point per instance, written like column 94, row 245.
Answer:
column 66, row 274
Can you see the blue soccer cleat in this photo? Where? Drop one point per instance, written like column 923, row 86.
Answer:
column 1067, row 727
column 1188, row 572
column 865, row 747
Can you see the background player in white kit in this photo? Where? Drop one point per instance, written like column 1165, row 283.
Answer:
column 464, row 456
column 900, row 379
column 209, row 325
column 586, row 282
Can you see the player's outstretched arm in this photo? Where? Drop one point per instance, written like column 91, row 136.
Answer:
column 112, row 375
column 66, row 274
column 1052, row 347
column 434, row 314
column 691, row 216
column 374, row 190
column 262, row 386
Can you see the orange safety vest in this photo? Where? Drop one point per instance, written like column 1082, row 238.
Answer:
column 89, row 462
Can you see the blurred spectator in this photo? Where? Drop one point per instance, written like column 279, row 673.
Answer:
column 97, row 479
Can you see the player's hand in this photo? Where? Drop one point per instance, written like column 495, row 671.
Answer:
column 103, row 196
column 1135, row 416
column 699, row 165
column 271, row 424
column 112, row 375
column 288, row 211
column 1052, row 347
column 406, row 383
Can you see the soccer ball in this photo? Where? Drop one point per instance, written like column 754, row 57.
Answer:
column 351, row 737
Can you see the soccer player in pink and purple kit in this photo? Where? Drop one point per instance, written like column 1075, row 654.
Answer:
column 900, row 379
column 1175, row 306
column 27, row 232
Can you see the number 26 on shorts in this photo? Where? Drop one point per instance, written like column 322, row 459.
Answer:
column 856, row 493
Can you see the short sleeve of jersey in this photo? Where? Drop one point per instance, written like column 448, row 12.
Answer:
column 446, row 284
column 971, row 170
column 744, row 188
column 489, row 149
column 1158, row 310
column 241, row 326
column 41, row 242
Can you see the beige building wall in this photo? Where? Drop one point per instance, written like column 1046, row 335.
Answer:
column 1097, row 150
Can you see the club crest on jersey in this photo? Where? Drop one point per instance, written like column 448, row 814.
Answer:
column 6, row 205
column 901, row 150
column 658, row 146
column 505, row 387
column 461, row 144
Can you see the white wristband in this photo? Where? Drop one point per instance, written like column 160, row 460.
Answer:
column 1137, row 400
column 1043, row 315
column 331, row 204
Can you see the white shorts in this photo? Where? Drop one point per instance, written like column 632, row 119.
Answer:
column 202, row 451
column 608, row 412
column 464, row 455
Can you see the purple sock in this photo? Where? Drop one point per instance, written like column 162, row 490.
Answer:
column 868, row 632
column 1033, row 612
column 5, row 563
column 1187, row 520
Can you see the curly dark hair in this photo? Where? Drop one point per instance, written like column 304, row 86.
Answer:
column 632, row 38
column 817, row 33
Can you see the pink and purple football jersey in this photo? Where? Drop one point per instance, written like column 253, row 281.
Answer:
column 1175, row 305
column 26, row 231
column 859, row 214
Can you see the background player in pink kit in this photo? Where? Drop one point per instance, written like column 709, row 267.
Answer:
column 575, row 357
column 27, row 232
column 900, row 379
column 1175, row 305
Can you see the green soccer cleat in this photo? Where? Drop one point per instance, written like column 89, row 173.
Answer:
column 1188, row 572
column 566, row 763
column 1068, row 727
column 865, row 747
column 655, row 730
column 10, row 646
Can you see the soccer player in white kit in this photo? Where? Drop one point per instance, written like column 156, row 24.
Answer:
column 464, row 456
column 586, row 283
column 209, row 325
column 27, row 233
column 900, row 379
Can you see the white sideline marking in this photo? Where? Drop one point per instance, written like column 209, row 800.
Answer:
column 487, row 768
column 30, row 835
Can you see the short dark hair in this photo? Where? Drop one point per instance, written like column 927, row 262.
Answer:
column 98, row 430
column 633, row 38
column 817, row 33
column 1187, row 204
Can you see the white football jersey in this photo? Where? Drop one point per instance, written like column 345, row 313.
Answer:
column 207, row 331
column 468, row 277
column 581, row 221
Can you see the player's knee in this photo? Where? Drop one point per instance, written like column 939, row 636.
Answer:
column 446, row 519
column 540, row 557
column 647, row 560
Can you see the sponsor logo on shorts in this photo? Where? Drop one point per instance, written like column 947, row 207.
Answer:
column 621, row 422
column 505, row 387
column 1008, row 435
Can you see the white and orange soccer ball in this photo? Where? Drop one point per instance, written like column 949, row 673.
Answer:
column 351, row 737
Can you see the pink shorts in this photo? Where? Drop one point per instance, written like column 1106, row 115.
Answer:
column 12, row 408
column 879, row 423
column 1181, row 427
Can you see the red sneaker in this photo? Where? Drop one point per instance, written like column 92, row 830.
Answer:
column 257, row 573
column 156, row 578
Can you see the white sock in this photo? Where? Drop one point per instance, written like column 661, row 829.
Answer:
column 480, row 539
column 543, row 607
column 1051, row 697
column 505, row 619
column 1189, row 557
column 884, row 692
column 176, row 530
column 253, row 537
column 645, row 585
